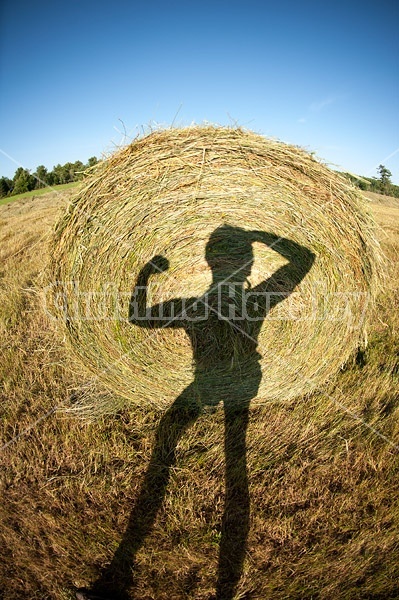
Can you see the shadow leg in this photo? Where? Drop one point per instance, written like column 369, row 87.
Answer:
column 117, row 577
column 235, row 523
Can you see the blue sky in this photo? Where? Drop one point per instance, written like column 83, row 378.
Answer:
column 322, row 75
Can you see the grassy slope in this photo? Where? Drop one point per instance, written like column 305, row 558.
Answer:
column 324, row 488
column 39, row 192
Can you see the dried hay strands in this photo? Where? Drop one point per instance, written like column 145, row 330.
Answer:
column 276, row 250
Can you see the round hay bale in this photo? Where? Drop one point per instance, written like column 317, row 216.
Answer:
column 265, row 267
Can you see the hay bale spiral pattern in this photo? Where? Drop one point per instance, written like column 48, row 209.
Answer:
column 167, row 194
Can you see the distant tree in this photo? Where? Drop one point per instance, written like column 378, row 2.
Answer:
column 385, row 177
column 18, row 173
column 384, row 173
column 23, row 181
column 59, row 175
column 93, row 160
column 51, row 180
column 40, row 176
column 78, row 169
column 69, row 172
column 5, row 186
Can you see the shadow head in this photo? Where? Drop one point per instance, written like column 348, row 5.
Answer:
column 229, row 254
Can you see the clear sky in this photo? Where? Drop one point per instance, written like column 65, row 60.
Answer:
column 320, row 74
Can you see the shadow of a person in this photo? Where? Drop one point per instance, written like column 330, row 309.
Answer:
column 223, row 326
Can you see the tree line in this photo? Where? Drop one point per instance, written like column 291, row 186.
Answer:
column 381, row 185
column 25, row 181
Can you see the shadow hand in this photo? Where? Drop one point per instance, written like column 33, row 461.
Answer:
column 292, row 251
column 158, row 264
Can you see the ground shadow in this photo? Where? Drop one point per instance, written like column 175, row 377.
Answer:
column 223, row 326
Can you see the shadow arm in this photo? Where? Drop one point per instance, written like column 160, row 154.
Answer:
column 157, row 316
column 284, row 281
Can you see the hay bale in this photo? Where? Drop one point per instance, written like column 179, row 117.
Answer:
column 213, row 204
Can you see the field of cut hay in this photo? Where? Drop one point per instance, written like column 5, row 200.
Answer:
column 309, row 504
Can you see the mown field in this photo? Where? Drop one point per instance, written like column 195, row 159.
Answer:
column 323, row 470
